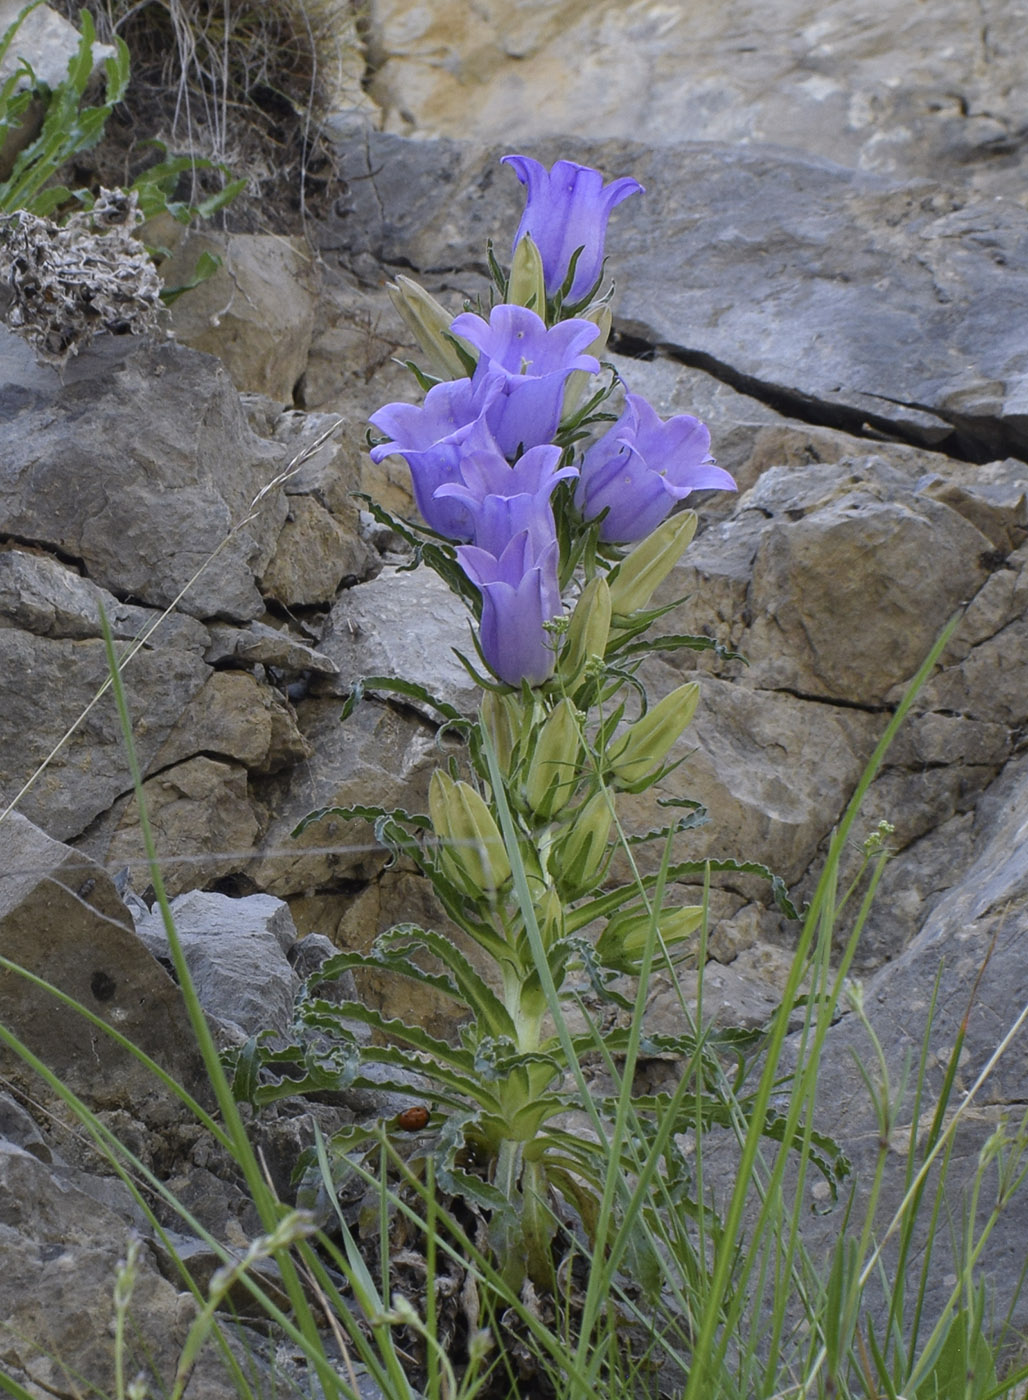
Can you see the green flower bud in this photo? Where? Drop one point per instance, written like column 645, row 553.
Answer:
column 527, row 283
column 549, row 913
column 501, row 717
column 472, row 854
column 621, row 944
column 579, row 858
column 429, row 323
column 641, row 573
column 589, row 629
column 553, row 768
column 640, row 752
column 580, row 380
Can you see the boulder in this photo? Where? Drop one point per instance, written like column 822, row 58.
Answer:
column 137, row 465
column 255, row 313
column 236, row 953
column 62, row 921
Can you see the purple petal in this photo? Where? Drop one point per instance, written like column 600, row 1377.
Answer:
column 567, row 208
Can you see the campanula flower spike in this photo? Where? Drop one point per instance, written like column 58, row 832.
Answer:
column 503, row 470
column 642, row 467
column 567, row 208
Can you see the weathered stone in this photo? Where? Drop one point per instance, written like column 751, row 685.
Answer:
column 405, row 624
column 847, row 600
column 44, row 596
column 265, row 281
column 259, row 644
column 973, row 940
column 234, row 717
column 62, row 1250
column 139, row 464
column 236, row 953
column 61, row 919
column 203, row 820
column 878, row 90
column 380, row 757
column 314, row 557
column 774, row 772
column 46, row 686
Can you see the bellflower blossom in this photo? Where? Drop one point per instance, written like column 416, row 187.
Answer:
column 533, row 364
column 433, row 437
column 520, row 592
column 503, row 500
column 641, row 467
column 567, row 207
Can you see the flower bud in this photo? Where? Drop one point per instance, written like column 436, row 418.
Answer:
column 622, row 942
column 578, row 859
column 641, row 573
column 588, row 630
column 641, row 751
column 472, row 854
column 549, row 913
column 429, row 323
column 553, row 768
column 579, row 382
column 527, row 285
column 501, row 720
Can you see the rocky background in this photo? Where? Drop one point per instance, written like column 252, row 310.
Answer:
column 830, row 266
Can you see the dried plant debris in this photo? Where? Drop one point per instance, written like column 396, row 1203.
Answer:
column 67, row 283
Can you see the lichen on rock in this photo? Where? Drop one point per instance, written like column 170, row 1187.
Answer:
column 67, row 283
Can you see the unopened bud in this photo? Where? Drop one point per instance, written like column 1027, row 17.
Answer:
column 589, row 629
column 641, row 573
column 501, row 719
column 553, row 769
column 429, row 322
column 472, row 854
column 527, row 283
column 580, row 381
column 622, row 943
column 578, row 860
column 641, row 751
column 549, row 913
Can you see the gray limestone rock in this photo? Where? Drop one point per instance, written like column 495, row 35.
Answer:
column 138, row 464
column 405, row 624
column 236, row 953
column 61, row 919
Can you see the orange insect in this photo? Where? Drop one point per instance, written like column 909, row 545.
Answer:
column 412, row 1120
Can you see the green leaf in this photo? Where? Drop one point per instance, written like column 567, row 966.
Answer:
column 207, row 265
column 409, row 690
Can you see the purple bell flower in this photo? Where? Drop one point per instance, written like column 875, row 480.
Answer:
column 433, row 437
column 533, row 364
column 641, row 467
column 567, row 208
column 520, row 593
column 503, row 500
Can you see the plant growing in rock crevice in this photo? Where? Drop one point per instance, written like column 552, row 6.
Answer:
column 530, row 489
